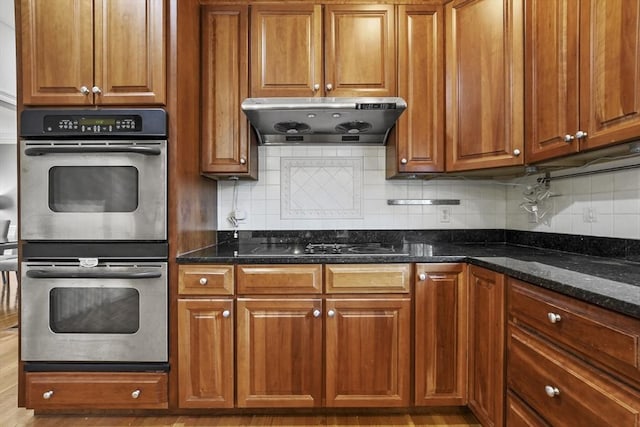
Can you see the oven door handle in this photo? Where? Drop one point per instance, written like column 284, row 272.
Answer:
column 45, row 274
column 138, row 149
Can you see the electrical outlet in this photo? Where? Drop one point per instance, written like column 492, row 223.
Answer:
column 589, row 215
column 444, row 215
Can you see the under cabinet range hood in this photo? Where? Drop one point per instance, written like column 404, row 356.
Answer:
column 328, row 121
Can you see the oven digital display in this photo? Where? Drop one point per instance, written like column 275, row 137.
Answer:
column 92, row 121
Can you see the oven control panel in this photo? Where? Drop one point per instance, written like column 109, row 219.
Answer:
column 107, row 123
column 92, row 124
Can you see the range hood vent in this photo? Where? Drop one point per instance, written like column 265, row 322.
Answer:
column 327, row 121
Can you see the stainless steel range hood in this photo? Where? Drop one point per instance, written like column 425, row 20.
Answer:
column 357, row 121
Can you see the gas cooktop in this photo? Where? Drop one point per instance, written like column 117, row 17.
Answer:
column 323, row 249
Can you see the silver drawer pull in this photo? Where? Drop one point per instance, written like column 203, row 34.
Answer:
column 316, row 313
column 203, row 281
column 551, row 391
column 422, row 276
column 135, row 394
column 331, row 313
column 47, row 394
column 554, row 318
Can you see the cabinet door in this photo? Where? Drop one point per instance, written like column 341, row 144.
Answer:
column 226, row 148
column 418, row 145
column 57, row 51
column 360, row 55
column 205, row 353
column 486, row 345
column 609, row 71
column 440, row 335
column 286, row 50
column 367, row 352
column 484, row 84
column 551, row 85
column 279, row 353
column 129, row 52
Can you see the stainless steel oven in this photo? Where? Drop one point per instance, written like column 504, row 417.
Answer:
column 93, row 174
column 94, row 311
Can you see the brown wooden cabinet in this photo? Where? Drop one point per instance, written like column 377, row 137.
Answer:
column 486, row 345
column 95, row 390
column 484, row 84
column 206, row 336
column 93, row 52
column 279, row 353
column 295, row 53
column 205, row 353
column 368, row 352
column 440, row 335
column 583, row 70
column 227, row 145
column 570, row 362
column 417, row 144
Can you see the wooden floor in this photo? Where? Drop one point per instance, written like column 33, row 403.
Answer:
column 11, row 415
column 9, row 303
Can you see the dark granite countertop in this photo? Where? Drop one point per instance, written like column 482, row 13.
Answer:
column 609, row 282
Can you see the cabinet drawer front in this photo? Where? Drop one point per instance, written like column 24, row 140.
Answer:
column 583, row 396
column 520, row 415
column 206, row 280
column 96, row 390
column 608, row 338
column 280, row 279
column 368, row 278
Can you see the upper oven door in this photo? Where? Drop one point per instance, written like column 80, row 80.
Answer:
column 93, row 190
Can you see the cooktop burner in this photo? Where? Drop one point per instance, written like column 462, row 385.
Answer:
column 325, row 249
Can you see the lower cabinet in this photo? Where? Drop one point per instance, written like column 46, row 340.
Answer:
column 205, row 353
column 279, row 352
column 368, row 352
column 486, row 345
column 440, row 335
column 96, row 390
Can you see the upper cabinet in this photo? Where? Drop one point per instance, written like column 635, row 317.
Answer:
column 93, row 52
column 417, row 145
column 583, row 67
column 227, row 148
column 295, row 51
column 484, row 84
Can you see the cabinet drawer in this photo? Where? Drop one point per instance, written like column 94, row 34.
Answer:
column 606, row 338
column 205, row 279
column 520, row 415
column 280, row 279
column 583, row 396
column 368, row 278
column 96, row 390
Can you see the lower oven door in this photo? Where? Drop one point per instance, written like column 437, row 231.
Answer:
column 115, row 312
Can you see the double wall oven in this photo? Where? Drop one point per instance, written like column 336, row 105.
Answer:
column 93, row 210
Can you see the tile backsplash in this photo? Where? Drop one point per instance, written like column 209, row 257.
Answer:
column 334, row 188
column 314, row 188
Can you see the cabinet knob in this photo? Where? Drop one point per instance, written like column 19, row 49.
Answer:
column 47, row 394
column 516, row 152
column 554, row 318
column 404, row 161
column 96, row 90
column 581, row 134
column 569, row 138
column 84, row 90
column 329, row 87
column 316, row 87
column 422, row 276
column 243, row 161
column 331, row 313
column 203, row 281
column 226, row 314
column 551, row 391
column 316, row 313
column 135, row 394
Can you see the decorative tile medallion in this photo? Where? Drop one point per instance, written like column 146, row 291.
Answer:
column 321, row 188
